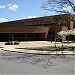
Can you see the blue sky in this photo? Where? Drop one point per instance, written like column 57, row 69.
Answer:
column 21, row 9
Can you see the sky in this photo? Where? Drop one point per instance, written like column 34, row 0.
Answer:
column 21, row 9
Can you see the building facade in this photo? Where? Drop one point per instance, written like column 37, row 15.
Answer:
column 36, row 29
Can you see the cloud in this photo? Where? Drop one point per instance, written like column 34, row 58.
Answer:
column 31, row 17
column 68, row 8
column 3, row 20
column 9, row 4
column 2, row 6
column 13, row 7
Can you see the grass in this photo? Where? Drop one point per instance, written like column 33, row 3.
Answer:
column 51, row 48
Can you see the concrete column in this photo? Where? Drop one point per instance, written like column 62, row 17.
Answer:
column 71, row 24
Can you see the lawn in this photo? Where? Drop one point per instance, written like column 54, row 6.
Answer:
column 51, row 48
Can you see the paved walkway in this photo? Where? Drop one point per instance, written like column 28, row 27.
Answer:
column 29, row 44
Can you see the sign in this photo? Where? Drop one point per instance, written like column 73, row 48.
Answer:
column 58, row 40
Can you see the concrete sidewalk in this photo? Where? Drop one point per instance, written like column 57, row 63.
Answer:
column 29, row 44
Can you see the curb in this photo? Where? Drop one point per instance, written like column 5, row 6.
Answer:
column 40, row 52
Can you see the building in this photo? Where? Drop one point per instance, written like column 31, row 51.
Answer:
column 36, row 29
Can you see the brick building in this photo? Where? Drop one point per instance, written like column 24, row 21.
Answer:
column 36, row 29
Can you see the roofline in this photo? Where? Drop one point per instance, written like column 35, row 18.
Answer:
column 34, row 18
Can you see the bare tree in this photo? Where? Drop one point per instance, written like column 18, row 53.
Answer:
column 60, row 6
